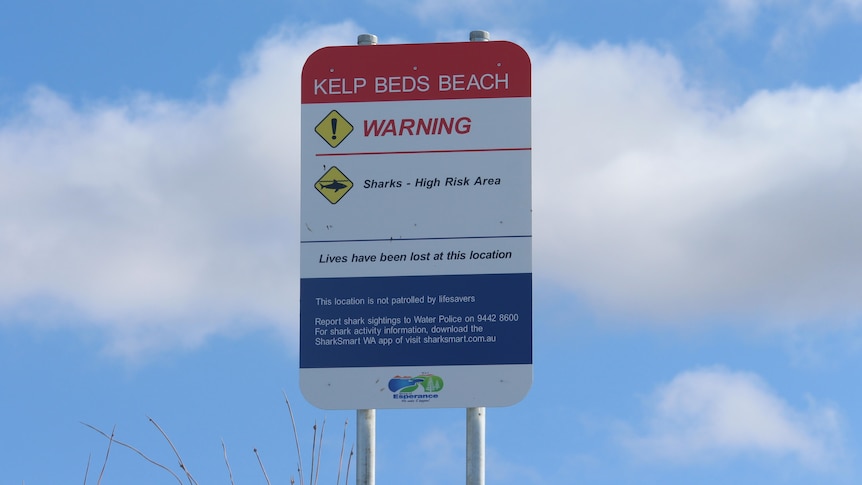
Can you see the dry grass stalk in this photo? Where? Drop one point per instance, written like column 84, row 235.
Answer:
column 107, row 454
column 349, row 459
column 139, row 452
column 227, row 463
column 296, row 438
column 265, row 476
column 179, row 458
column 313, row 443
column 86, row 471
column 315, row 468
column 319, row 450
column 341, row 454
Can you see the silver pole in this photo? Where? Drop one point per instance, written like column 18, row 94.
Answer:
column 366, row 428
column 366, row 419
column 476, row 416
column 476, row 446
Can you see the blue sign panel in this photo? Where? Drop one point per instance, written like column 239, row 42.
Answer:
column 416, row 321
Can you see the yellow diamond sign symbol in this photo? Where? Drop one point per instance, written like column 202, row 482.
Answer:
column 333, row 185
column 334, row 128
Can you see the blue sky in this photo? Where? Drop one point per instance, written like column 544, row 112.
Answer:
column 695, row 224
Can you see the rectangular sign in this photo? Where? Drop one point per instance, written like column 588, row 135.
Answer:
column 416, row 284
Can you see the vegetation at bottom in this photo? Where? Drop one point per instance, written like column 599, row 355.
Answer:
column 183, row 475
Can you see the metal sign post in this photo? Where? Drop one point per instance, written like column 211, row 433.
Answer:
column 366, row 438
column 475, row 446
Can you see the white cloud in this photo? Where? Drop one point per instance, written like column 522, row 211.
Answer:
column 159, row 220
column 164, row 222
column 435, row 456
column 651, row 201
column 713, row 413
column 740, row 14
column 507, row 469
column 787, row 22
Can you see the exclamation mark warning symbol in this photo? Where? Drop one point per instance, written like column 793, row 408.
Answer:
column 333, row 128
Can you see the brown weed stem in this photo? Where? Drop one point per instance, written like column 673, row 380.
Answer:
column 227, row 463
column 296, row 438
column 259, row 462
column 139, row 452
column 107, row 454
column 179, row 458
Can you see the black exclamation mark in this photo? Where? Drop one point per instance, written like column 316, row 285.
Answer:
column 334, row 122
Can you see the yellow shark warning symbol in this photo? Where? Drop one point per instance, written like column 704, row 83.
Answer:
column 333, row 185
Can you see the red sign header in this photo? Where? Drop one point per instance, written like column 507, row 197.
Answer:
column 403, row 72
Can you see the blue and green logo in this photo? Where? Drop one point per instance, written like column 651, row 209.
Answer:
column 408, row 387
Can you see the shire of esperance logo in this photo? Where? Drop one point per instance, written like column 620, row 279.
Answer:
column 406, row 388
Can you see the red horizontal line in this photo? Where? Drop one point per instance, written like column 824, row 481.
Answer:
column 413, row 152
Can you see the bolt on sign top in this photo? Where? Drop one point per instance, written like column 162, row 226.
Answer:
column 416, row 287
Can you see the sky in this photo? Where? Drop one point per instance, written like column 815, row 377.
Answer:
column 696, row 269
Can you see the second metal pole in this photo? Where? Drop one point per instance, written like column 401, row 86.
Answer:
column 476, row 446
column 366, row 429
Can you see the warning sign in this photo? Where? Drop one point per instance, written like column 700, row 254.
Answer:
column 334, row 184
column 422, row 279
column 333, row 129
